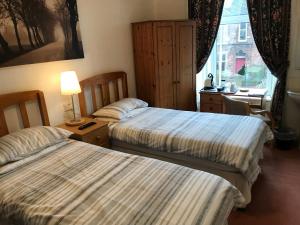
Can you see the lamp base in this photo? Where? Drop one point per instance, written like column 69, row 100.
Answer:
column 73, row 123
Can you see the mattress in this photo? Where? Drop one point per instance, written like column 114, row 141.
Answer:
column 230, row 140
column 77, row 183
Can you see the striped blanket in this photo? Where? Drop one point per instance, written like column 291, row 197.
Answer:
column 77, row 183
column 235, row 141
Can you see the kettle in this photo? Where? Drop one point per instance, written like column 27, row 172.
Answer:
column 209, row 82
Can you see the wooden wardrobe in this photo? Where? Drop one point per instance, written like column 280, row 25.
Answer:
column 165, row 59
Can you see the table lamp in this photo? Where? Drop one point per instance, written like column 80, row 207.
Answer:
column 70, row 86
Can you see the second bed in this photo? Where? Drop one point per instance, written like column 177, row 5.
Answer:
column 225, row 145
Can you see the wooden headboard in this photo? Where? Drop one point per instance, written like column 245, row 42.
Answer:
column 103, row 82
column 19, row 99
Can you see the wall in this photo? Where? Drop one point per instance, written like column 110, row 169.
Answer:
column 106, row 33
column 170, row 9
column 292, row 116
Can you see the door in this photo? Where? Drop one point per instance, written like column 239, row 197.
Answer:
column 165, row 64
column 239, row 63
column 186, row 65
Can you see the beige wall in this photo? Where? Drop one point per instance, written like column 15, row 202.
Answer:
column 170, row 9
column 106, row 32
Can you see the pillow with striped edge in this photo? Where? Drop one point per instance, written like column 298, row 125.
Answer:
column 119, row 109
column 27, row 142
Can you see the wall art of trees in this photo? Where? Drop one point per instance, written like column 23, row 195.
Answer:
column 35, row 31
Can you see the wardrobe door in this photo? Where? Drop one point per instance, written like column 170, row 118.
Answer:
column 165, row 64
column 186, row 65
column 149, row 64
column 144, row 61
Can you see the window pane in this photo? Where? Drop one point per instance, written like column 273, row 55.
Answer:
column 242, row 35
column 224, row 57
column 235, row 57
column 243, row 25
column 223, row 66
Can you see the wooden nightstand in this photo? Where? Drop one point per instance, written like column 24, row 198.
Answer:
column 96, row 134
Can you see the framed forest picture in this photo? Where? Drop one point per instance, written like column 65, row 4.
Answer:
column 36, row 31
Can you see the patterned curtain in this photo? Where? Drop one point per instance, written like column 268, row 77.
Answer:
column 207, row 14
column 270, row 22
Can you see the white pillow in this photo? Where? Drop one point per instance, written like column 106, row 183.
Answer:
column 26, row 142
column 119, row 109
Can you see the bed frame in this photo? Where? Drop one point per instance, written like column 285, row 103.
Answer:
column 107, row 83
column 19, row 99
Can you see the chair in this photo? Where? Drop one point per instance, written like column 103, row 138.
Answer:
column 237, row 107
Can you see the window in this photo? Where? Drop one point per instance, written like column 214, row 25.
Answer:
column 243, row 30
column 234, row 57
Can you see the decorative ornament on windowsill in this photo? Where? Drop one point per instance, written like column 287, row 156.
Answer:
column 70, row 86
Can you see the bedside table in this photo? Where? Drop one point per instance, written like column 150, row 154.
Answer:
column 96, row 134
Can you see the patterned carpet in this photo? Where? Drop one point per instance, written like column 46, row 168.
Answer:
column 276, row 194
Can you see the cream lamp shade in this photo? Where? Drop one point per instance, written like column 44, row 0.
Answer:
column 69, row 83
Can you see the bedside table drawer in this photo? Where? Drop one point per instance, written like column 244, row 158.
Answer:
column 211, row 98
column 98, row 137
column 213, row 108
column 97, row 140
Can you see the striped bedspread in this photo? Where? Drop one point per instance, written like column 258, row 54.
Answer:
column 78, row 183
column 235, row 141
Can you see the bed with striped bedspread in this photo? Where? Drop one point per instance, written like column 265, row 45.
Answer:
column 234, row 141
column 77, row 183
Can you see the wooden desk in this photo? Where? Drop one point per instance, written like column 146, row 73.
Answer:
column 212, row 101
